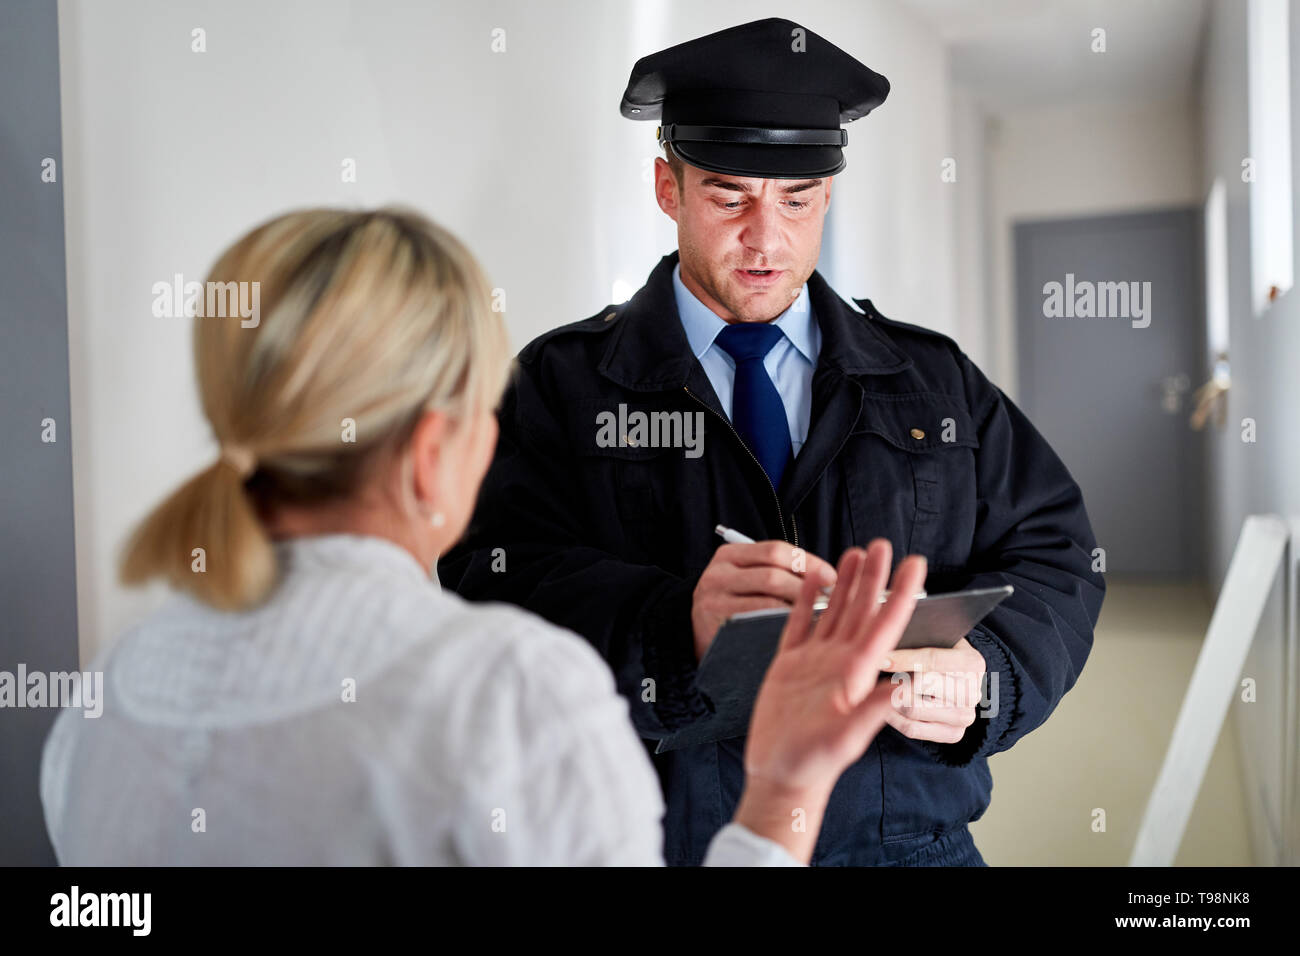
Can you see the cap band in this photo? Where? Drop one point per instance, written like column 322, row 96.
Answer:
column 753, row 134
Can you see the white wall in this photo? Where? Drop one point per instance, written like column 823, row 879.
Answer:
column 971, row 254
column 1079, row 161
column 170, row 155
column 1264, row 351
column 1262, row 477
column 895, row 225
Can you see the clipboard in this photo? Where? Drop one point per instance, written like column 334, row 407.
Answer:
column 733, row 667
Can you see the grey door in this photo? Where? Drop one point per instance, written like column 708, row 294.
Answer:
column 1111, row 390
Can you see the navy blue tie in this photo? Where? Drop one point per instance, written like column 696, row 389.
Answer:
column 756, row 407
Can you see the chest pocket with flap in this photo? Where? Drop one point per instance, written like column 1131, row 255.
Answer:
column 923, row 443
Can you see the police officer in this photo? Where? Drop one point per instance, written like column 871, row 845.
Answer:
column 824, row 426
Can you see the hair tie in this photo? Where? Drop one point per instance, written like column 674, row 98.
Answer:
column 239, row 458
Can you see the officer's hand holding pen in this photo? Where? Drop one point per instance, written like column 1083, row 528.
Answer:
column 732, row 536
column 748, row 576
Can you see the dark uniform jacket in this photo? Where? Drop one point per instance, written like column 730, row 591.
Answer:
column 908, row 441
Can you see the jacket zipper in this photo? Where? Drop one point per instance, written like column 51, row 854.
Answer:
column 775, row 497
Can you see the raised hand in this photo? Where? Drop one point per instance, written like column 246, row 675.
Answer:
column 822, row 701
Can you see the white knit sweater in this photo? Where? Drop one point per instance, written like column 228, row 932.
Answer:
column 360, row 716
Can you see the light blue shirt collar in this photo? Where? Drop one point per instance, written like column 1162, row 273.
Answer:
column 702, row 325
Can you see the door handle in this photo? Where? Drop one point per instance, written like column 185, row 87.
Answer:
column 1212, row 397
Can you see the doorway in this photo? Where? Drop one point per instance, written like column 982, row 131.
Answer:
column 1110, row 325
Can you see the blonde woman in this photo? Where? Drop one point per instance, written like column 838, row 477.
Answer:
column 310, row 695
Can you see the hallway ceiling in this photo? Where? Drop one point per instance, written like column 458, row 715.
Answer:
column 1023, row 54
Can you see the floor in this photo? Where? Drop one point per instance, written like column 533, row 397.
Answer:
column 1104, row 744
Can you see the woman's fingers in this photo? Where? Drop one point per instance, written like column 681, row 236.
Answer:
column 800, row 619
column 871, row 581
column 845, row 586
column 882, row 633
column 876, row 636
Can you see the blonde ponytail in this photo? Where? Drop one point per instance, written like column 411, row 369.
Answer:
column 233, row 567
column 367, row 317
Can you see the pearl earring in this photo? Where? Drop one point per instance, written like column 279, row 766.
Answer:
column 438, row 519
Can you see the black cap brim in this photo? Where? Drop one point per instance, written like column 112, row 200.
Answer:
column 766, row 162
